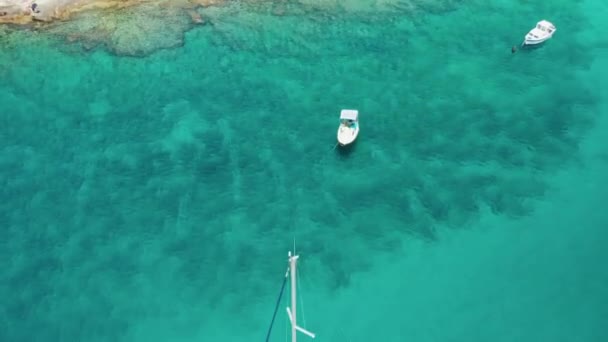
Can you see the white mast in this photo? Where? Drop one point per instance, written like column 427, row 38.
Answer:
column 293, row 259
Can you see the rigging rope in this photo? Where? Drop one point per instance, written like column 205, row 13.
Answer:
column 274, row 315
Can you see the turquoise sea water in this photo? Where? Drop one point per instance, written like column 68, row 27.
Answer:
column 152, row 187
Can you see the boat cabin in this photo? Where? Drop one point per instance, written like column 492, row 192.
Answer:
column 349, row 117
column 545, row 26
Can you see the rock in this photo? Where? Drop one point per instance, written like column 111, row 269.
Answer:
column 196, row 17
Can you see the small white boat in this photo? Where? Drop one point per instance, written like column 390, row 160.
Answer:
column 543, row 31
column 349, row 126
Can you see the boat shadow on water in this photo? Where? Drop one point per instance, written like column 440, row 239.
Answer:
column 345, row 151
column 530, row 48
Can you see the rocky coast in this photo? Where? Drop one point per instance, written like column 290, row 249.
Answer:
column 31, row 11
column 124, row 27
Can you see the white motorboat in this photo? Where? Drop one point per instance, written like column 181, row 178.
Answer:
column 543, row 31
column 349, row 126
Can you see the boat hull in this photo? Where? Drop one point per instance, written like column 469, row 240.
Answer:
column 347, row 135
column 535, row 41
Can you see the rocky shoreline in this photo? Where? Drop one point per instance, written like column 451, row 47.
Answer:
column 122, row 27
column 24, row 12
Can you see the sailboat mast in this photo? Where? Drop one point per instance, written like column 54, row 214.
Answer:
column 291, row 312
column 293, row 260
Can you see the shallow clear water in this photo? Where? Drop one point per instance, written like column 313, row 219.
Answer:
column 154, row 198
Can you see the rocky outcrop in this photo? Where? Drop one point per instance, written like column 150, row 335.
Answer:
column 132, row 28
column 28, row 11
column 11, row 10
column 23, row 12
